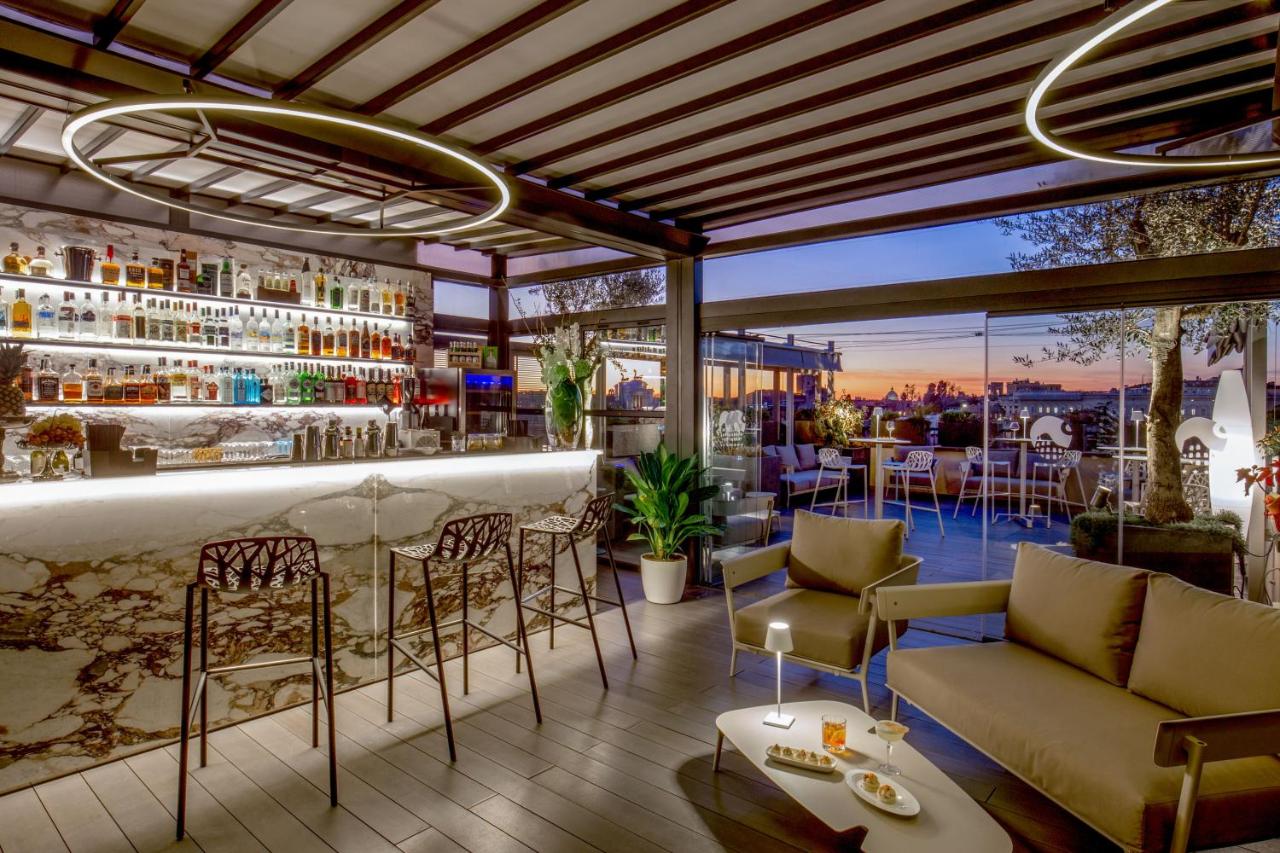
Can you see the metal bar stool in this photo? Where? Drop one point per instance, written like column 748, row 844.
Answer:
column 829, row 459
column 462, row 542
column 260, row 565
column 585, row 526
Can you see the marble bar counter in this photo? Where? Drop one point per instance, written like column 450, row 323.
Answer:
column 93, row 573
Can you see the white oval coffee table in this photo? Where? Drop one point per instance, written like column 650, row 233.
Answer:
column 950, row 821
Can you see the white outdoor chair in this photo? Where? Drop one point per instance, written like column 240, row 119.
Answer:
column 917, row 462
column 829, row 459
column 997, row 467
column 1056, row 486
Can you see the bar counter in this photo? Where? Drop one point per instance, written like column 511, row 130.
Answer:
column 92, row 578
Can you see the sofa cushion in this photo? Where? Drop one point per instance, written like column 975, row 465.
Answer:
column 1204, row 653
column 787, row 454
column 1086, row 743
column 807, row 456
column 842, row 554
column 825, row 626
column 1003, row 463
column 807, row 481
column 770, row 450
column 1077, row 610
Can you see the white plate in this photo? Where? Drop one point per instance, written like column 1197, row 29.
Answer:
column 905, row 806
column 775, row 753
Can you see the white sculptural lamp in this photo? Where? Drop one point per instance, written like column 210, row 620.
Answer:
column 778, row 641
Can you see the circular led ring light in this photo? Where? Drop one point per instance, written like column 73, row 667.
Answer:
column 129, row 106
column 1108, row 28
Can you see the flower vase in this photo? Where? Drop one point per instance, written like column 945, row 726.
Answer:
column 564, row 415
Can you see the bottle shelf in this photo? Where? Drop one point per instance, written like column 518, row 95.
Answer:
column 55, row 287
column 95, row 348
column 153, row 407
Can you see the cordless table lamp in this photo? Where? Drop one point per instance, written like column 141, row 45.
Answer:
column 778, row 641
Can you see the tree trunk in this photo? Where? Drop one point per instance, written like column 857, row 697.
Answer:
column 1165, row 500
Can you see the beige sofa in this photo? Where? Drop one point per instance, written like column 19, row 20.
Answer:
column 1144, row 705
column 834, row 565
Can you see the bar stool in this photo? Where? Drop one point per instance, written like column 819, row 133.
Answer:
column 585, row 526
column 829, row 459
column 917, row 462
column 262, row 565
column 462, row 542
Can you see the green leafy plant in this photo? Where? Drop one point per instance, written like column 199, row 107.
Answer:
column 666, row 505
column 838, row 422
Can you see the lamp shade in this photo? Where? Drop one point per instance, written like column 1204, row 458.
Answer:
column 778, row 638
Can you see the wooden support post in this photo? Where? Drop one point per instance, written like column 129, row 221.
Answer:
column 684, row 371
column 499, row 334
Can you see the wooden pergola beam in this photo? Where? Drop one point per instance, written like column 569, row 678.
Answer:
column 232, row 40
column 106, row 28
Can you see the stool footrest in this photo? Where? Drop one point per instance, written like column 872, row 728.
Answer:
column 558, row 617
column 237, row 667
column 414, row 659
column 494, row 636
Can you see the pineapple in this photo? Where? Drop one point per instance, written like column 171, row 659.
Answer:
column 12, row 406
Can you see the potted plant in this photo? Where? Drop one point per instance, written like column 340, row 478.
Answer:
column 838, row 422
column 1203, row 551
column 666, row 511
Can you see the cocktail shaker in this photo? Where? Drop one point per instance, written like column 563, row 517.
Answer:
column 391, row 440
column 313, row 444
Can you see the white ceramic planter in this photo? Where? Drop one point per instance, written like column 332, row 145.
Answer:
column 663, row 580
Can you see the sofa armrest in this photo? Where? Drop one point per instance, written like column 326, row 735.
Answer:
column 1224, row 737
column 907, row 572
column 755, row 565
column 942, row 599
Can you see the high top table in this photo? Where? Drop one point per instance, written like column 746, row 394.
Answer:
column 877, row 457
column 950, row 821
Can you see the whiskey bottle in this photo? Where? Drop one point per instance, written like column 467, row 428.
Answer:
column 147, row 391
column 15, row 263
column 66, row 316
column 40, row 265
column 155, row 275
column 72, row 386
column 184, row 282
column 164, row 382
column 178, row 389
column 135, row 272
column 388, row 301
column 113, row 391
column 110, row 267
column 400, row 299
column 375, row 343
column 317, row 342
column 353, row 341
column 366, row 342
column 303, row 345
column 47, row 383
column 366, row 294
column 386, row 344
column 397, row 348
column 321, row 294
column 327, row 341
column 93, row 389
column 340, row 340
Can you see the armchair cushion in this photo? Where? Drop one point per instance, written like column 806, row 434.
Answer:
column 826, row 627
column 1079, row 611
column 787, row 454
column 843, row 555
column 807, row 455
column 1204, row 653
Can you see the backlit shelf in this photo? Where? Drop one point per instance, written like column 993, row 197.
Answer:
column 55, row 287
column 204, row 404
column 96, row 348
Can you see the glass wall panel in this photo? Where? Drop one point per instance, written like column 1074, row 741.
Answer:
column 461, row 300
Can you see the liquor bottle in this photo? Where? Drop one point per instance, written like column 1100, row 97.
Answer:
column 177, row 382
column 317, row 337
column 397, row 348
column 4, row 313
column 226, row 286
column 195, row 383
column 353, row 341
column 321, row 295
column 224, row 329
column 153, row 322
column 386, row 344
column 168, row 334
column 276, row 382
column 113, row 390
column 375, row 342
column 388, row 302
column 306, row 386
column 135, row 272
column 139, row 319
column 110, row 267
column 304, row 337
column 93, row 389
column 306, row 284
column 275, row 334
column 327, row 340
column 184, row 282
column 353, row 296
column 207, row 279
column 65, row 316
column 209, row 328
column 155, row 275
column 147, row 391
column 14, row 262
column 350, row 393
column 195, row 326
column 40, row 265
column 166, row 272
column 87, row 319
column 122, row 320
column 401, row 299
column 164, row 382
column 362, row 388
column 106, row 318
column 47, row 383
column 337, row 294
column 264, row 391
column 132, row 387
column 366, row 293
column 181, row 323
column 211, row 385
column 237, row 388
column 340, row 340
column 293, row 385
column 27, row 380
column 288, row 334
column 265, row 343
column 250, row 332
column 244, row 283
column 20, row 315
column 46, row 318
column 226, row 387
column 235, row 330
column 366, row 342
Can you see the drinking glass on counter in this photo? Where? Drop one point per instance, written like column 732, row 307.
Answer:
column 834, row 729
column 458, row 443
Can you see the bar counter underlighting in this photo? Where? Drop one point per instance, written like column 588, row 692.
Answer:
column 93, row 571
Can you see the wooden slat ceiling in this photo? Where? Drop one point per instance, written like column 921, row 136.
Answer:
column 705, row 114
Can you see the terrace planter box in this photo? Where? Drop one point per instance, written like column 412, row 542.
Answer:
column 1200, row 557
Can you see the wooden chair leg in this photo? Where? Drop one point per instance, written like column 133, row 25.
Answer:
column 733, row 663
column 184, row 727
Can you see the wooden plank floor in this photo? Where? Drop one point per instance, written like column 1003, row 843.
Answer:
column 627, row 770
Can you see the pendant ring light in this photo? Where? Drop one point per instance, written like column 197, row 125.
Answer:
column 1109, row 27
column 242, row 105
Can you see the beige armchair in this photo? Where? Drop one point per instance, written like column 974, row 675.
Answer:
column 834, row 567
